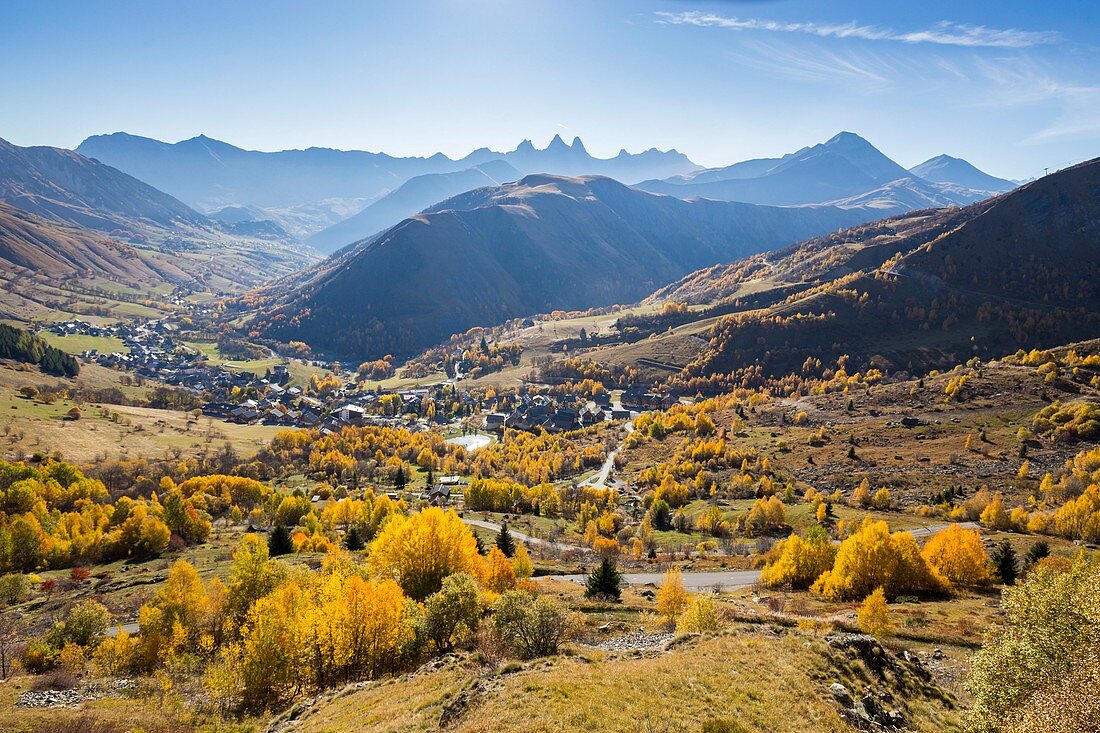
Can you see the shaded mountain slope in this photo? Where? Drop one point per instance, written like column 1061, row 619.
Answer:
column 541, row 244
column 926, row 290
column 64, row 186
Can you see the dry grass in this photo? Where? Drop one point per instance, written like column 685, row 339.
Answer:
column 31, row 426
column 764, row 682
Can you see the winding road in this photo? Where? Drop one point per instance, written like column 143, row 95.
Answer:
column 731, row 579
column 703, row 579
column 560, row 546
column 599, row 479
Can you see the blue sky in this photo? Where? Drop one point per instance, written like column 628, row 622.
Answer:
column 1012, row 86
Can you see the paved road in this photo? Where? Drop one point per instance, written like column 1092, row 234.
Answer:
column 933, row 529
column 600, row 478
column 130, row 628
column 562, row 546
column 704, row 579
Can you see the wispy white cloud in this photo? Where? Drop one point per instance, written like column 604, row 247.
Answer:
column 1021, row 82
column 945, row 33
column 868, row 70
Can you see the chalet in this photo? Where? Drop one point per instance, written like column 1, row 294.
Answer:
column 439, row 495
column 633, row 397
column 350, row 414
column 561, row 421
column 220, row 410
column 495, row 421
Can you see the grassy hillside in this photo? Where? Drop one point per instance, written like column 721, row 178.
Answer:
column 698, row 680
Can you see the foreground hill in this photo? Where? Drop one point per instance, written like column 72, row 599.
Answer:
column 67, row 187
column 928, row 289
column 541, row 244
column 846, row 170
column 567, row 693
column 414, row 195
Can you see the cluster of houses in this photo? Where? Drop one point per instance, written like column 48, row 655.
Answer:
column 154, row 352
column 289, row 406
column 540, row 412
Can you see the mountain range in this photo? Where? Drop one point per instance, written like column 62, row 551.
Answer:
column 332, row 198
column 540, row 244
column 845, row 170
column 210, row 174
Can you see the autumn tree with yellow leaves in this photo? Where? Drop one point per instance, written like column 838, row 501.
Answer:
column 672, row 599
column 873, row 558
column 419, row 551
column 800, row 561
column 957, row 554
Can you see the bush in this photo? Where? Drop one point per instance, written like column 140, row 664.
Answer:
column 958, row 555
column 801, row 561
column 1045, row 647
column 672, row 599
column 39, row 656
column 532, row 626
column 1073, row 421
column 452, row 612
column 700, row 615
column 874, row 615
column 87, row 622
column 873, row 558
column 13, row 587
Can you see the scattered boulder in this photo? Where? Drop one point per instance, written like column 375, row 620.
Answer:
column 840, row 692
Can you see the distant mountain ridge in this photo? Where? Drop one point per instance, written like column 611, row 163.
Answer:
column 845, row 170
column 211, row 174
column 540, row 244
column 64, row 186
column 945, row 169
column 411, row 197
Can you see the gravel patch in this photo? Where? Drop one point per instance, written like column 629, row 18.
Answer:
column 639, row 642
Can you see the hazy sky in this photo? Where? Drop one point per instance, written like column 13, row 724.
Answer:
column 1014, row 86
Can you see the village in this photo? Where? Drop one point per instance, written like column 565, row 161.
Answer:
column 154, row 350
